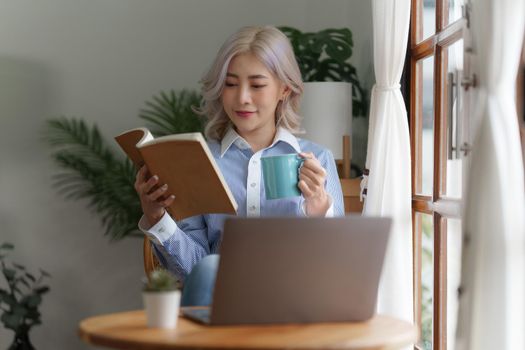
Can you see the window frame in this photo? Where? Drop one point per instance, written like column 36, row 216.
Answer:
column 437, row 204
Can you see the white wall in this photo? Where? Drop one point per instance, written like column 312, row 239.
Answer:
column 100, row 60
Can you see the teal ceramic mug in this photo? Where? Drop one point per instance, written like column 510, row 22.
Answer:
column 281, row 175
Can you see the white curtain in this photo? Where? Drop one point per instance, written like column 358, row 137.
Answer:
column 388, row 156
column 492, row 310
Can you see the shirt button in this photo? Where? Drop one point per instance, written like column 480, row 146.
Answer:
column 253, row 184
column 252, row 208
column 254, row 162
column 161, row 229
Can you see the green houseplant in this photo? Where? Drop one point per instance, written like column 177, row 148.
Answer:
column 323, row 56
column 92, row 169
column 161, row 296
column 19, row 302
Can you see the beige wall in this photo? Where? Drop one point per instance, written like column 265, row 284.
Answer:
column 100, row 60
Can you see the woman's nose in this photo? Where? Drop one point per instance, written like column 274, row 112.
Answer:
column 244, row 95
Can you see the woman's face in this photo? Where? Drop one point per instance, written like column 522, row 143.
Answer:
column 250, row 96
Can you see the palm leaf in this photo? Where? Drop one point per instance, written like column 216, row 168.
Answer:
column 172, row 113
column 90, row 170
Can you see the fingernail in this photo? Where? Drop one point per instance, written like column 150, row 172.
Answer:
column 155, row 177
column 165, row 186
column 172, row 196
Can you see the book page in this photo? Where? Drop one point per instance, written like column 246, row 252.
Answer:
column 191, row 136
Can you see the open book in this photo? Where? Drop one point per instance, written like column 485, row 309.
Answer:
column 185, row 163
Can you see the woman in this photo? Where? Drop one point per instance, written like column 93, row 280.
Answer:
column 251, row 98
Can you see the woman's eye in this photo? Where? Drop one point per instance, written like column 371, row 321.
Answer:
column 256, row 86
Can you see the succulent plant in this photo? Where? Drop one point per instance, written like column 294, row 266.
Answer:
column 161, row 280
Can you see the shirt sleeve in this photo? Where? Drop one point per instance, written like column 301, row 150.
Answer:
column 329, row 212
column 178, row 246
column 332, row 185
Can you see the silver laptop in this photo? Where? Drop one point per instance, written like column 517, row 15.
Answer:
column 297, row 270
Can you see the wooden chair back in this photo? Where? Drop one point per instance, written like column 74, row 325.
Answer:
column 150, row 260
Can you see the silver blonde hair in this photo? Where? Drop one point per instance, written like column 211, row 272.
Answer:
column 273, row 49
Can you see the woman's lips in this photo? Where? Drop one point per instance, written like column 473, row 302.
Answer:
column 244, row 114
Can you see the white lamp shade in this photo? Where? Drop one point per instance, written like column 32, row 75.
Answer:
column 326, row 108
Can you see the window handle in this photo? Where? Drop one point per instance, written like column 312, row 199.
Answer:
column 465, row 148
column 450, row 115
column 468, row 82
column 453, row 114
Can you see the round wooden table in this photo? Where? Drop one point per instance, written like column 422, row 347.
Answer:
column 127, row 330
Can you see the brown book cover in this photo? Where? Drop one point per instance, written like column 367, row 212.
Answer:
column 185, row 163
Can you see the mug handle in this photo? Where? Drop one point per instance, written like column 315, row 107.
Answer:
column 301, row 160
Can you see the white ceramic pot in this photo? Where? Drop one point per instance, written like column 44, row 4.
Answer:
column 162, row 308
column 326, row 108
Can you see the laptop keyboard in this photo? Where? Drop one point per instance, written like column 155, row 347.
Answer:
column 197, row 314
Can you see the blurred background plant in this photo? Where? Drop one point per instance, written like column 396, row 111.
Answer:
column 323, row 56
column 94, row 170
column 20, row 299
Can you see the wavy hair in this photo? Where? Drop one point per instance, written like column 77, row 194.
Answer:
column 274, row 50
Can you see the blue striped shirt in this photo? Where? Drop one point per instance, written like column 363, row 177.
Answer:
column 180, row 245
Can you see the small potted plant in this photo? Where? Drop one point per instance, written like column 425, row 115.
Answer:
column 161, row 297
column 19, row 302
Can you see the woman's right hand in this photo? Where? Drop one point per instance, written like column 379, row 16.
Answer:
column 152, row 197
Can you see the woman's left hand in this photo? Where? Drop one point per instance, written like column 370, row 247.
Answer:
column 312, row 177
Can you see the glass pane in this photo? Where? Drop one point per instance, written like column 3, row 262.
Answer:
column 454, row 10
column 453, row 56
column 453, row 277
column 427, row 279
column 429, row 18
column 427, row 136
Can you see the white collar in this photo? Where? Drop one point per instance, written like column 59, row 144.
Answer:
column 282, row 134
